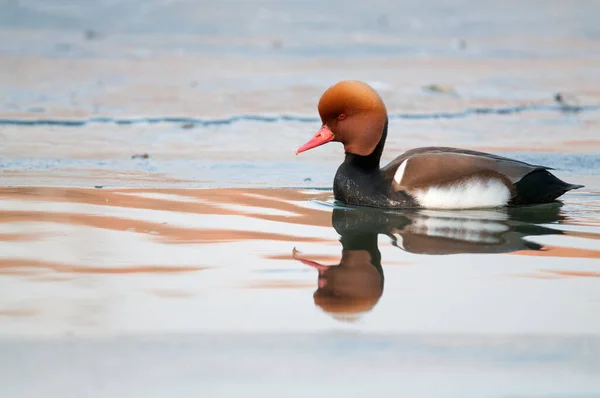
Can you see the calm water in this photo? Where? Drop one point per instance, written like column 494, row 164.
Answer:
column 218, row 264
column 193, row 287
column 104, row 262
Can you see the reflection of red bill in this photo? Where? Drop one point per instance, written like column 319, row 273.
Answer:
column 313, row 264
column 323, row 136
column 320, row 267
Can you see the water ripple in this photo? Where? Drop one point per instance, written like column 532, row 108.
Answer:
column 293, row 118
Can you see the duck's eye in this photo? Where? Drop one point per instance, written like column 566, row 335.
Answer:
column 341, row 116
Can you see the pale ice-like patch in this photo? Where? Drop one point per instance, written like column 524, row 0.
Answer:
column 380, row 86
column 161, row 196
column 469, row 194
column 250, row 209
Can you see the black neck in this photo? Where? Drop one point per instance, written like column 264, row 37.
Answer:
column 354, row 240
column 359, row 229
column 369, row 162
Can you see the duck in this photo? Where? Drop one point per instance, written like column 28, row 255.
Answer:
column 353, row 114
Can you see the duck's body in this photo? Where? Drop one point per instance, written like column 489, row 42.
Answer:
column 444, row 178
column 429, row 177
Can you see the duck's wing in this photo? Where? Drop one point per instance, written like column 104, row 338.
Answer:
column 433, row 166
column 439, row 177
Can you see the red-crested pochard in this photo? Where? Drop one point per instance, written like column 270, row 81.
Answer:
column 431, row 177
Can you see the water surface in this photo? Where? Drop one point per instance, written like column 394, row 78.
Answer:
column 188, row 276
column 139, row 260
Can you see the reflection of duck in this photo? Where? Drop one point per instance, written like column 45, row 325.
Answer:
column 355, row 285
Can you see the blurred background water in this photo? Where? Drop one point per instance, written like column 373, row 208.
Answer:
column 222, row 93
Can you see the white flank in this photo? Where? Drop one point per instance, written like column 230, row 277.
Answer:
column 400, row 172
column 468, row 194
column 469, row 230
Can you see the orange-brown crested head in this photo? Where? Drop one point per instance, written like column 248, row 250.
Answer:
column 352, row 113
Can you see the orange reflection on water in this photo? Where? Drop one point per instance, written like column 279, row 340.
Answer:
column 17, row 312
column 40, row 214
column 79, row 246
column 586, row 274
column 559, row 251
column 208, row 201
column 12, row 264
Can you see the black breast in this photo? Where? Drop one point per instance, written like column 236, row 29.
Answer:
column 360, row 181
column 361, row 186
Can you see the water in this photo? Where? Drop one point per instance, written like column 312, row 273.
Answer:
column 219, row 264
column 71, row 259
column 198, row 286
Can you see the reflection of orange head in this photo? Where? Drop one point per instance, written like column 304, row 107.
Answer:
column 352, row 287
column 344, row 305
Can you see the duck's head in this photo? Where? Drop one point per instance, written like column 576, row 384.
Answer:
column 352, row 113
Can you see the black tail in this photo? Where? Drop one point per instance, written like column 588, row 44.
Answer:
column 540, row 186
